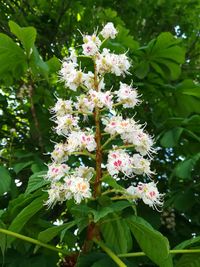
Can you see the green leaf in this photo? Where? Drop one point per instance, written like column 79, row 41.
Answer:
column 26, row 35
column 104, row 262
column 25, row 215
column 152, row 242
column 38, row 66
column 189, row 260
column 12, row 58
column 36, row 181
column 142, row 69
column 5, row 180
column 48, row 234
column 88, row 259
column 164, row 55
column 54, row 64
column 184, row 169
column 2, row 239
column 112, row 182
column 116, row 234
column 22, row 165
column 114, row 207
column 189, row 87
column 188, row 243
column 171, row 137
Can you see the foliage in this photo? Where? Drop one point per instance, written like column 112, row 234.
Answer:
column 163, row 42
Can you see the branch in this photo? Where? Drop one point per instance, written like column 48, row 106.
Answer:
column 175, row 251
column 35, row 119
column 33, row 241
column 113, row 256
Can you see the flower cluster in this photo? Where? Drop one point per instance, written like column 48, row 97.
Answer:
column 67, row 184
column 119, row 161
column 148, row 192
column 127, row 95
column 130, row 132
column 130, row 159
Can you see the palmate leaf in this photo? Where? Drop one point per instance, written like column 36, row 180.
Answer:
column 188, row 243
column 26, row 35
column 48, row 234
column 152, row 242
column 36, row 181
column 116, row 234
column 171, row 137
column 12, row 58
column 184, row 169
column 25, row 215
column 163, row 54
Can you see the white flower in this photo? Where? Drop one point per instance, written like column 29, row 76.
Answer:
column 62, row 107
column 92, row 38
column 148, row 192
column 109, row 31
column 141, row 165
column 80, row 189
column 56, row 171
column 73, row 56
column 72, row 77
column 117, row 125
column 58, row 192
column 127, row 95
column 78, row 141
column 59, row 153
column 143, row 142
column 119, row 161
column 90, row 48
column 66, row 124
column 100, row 99
column 84, row 105
column 88, row 80
column 112, row 63
column 84, row 172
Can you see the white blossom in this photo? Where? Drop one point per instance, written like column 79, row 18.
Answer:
column 119, row 161
column 58, row 192
column 56, row 171
column 62, row 107
column 80, row 188
column 127, row 95
column 59, row 154
column 84, row 104
column 112, row 63
column 101, row 99
column 148, row 192
column 140, row 165
column 66, row 124
column 109, row 31
column 78, row 141
column 92, row 38
column 72, row 77
column 90, row 48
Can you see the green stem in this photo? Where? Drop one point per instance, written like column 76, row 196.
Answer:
column 108, row 141
column 113, row 256
column 113, row 191
column 120, row 147
column 124, row 197
column 83, row 113
column 175, row 251
column 83, row 154
column 33, row 241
